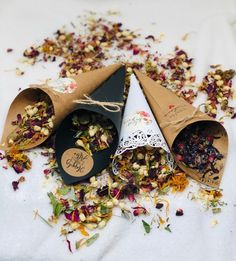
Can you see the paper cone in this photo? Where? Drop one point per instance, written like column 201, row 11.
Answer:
column 139, row 126
column 62, row 102
column 174, row 114
column 109, row 91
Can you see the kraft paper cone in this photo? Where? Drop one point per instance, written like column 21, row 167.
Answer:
column 139, row 127
column 174, row 114
column 62, row 102
column 75, row 164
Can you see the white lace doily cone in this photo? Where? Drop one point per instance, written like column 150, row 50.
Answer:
column 139, row 127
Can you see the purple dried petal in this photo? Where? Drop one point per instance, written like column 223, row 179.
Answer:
column 150, row 37
column 73, row 216
column 90, row 209
column 19, row 117
column 18, row 168
column 102, row 191
column 159, row 205
column 15, row 185
column 81, row 195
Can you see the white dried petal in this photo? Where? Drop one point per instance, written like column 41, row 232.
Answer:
column 154, row 184
column 95, row 184
column 45, row 132
column 217, row 77
column 115, row 201
column 92, row 179
column 109, row 204
column 125, row 33
column 135, row 166
column 157, row 165
column 82, row 217
column 10, row 141
column 92, row 130
column 102, row 224
column 122, row 205
column 74, row 225
column 219, row 83
column 50, row 124
column 79, row 143
column 91, row 226
column 114, row 185
column 37, row 128
column 90, row 47
column 140, row 156
column 104, row 138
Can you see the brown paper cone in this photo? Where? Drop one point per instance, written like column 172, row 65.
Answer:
column 174, row 114
column 62, row 102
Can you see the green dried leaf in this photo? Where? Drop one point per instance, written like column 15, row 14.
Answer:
column 57, row 206
column 64, row 190
column 104, row 210
column 43, row 219
column 80, row 243
column 125, row 214
column 146, row 226
column 167, row 228
column 91, row 240
column 216, row 210
column 164, row 191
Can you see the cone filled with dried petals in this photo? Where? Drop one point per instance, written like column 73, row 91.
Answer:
column 199, row 143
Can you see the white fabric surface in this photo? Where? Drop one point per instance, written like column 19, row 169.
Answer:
column 212, row 40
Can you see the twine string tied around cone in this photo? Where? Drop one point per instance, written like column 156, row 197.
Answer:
column 108, row 106
column 181, row 121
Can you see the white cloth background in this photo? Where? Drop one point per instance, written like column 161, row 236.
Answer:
column 212, row 40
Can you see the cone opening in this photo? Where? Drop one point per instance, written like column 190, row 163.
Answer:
column 29, row 120
column 200, row 149
column 93, row 129
column 143, row 164
column 89, row 131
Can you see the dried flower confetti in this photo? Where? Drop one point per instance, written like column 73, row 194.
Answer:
column 94, row 132
column 179, row 212
column 18, row 161
column 36, row 122
column 88, row 206
column 146, row 167
column 146, row 226
column 15, row 184
column 194, row 148
column 217, row 84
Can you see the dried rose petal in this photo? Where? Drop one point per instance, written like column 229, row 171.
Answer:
column 139, row 211
column 73, row 216
column 131, row 197
column 179, row 212
column 47, row 172
column 18, row 168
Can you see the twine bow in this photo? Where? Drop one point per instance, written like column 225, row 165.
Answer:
column 108, row 106
column 181, row 121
